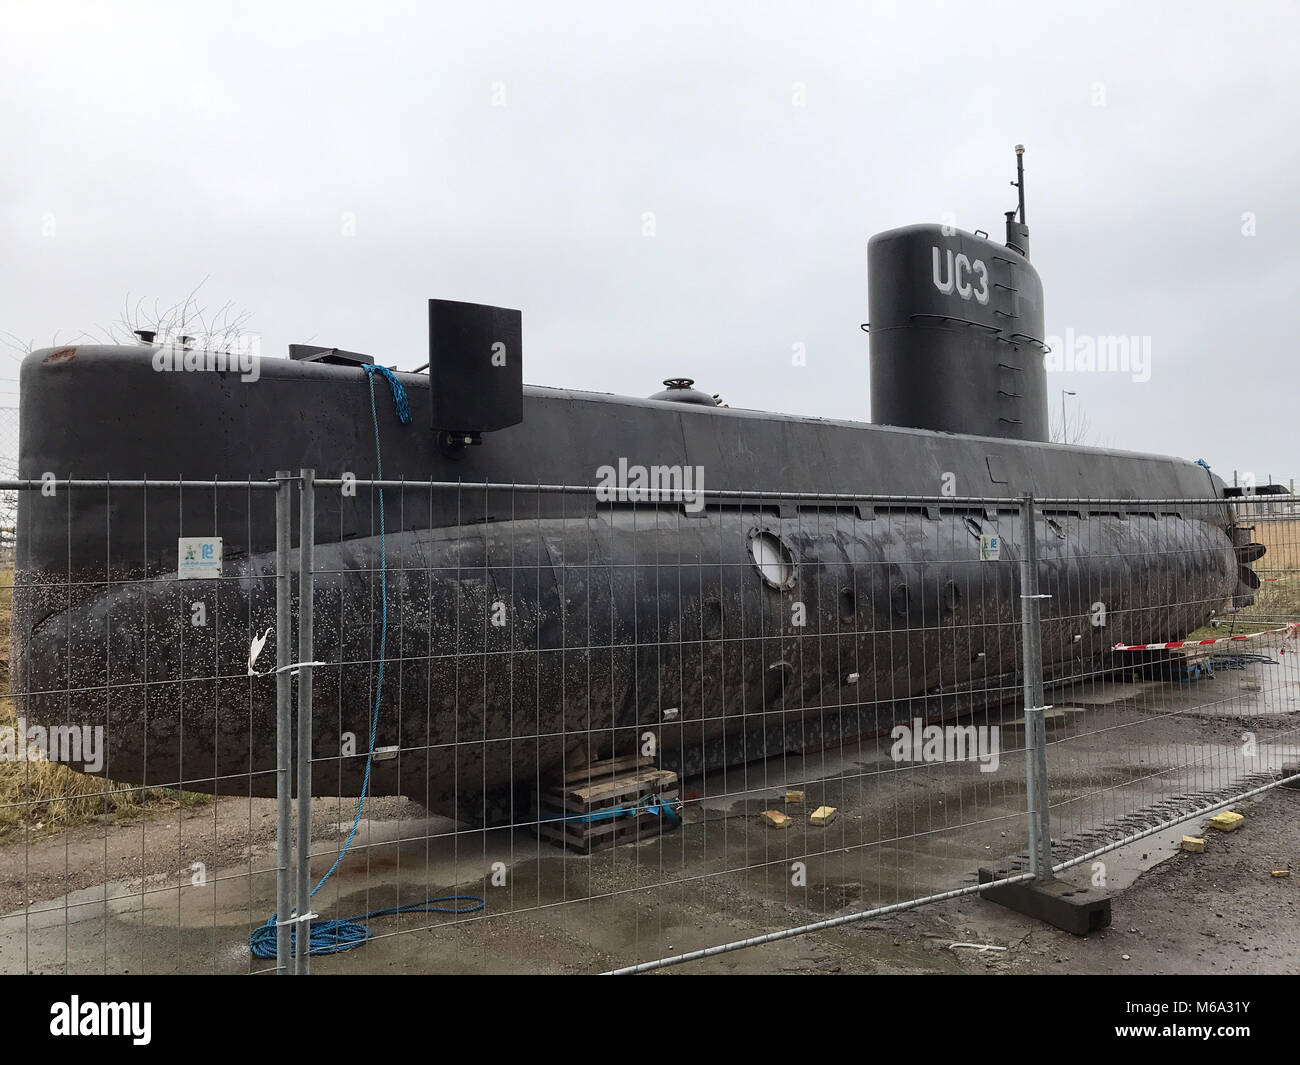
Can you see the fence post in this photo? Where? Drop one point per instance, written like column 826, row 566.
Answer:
column 306, row 588
column 283, row 719
column 1031, row 638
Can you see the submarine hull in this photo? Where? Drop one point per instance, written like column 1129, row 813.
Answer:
column 525, row 626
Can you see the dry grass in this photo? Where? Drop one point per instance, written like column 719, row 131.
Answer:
column 1278, row 599
column 41, row 797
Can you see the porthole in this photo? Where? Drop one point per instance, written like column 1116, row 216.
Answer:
column 773, row 560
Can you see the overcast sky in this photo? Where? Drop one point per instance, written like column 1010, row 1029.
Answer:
column 329, row 167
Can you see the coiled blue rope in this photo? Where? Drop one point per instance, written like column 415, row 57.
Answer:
column 336, row 936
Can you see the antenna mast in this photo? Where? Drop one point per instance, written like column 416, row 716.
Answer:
column 1018, row 232
column 1019, row 183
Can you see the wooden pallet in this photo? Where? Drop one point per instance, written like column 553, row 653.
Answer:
column 603, row 787
column 592, row 772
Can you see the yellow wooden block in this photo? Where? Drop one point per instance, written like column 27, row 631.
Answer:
column 823, row 815
column 776, row 819
column 1226, row 822
column 1279, row 873
column 1191, row 843
column 793, row 798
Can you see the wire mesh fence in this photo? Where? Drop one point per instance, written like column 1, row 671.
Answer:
column 134, row 725
column 1195, row 701
column 560, row 728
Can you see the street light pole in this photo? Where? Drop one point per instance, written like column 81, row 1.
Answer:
column 1064, row 393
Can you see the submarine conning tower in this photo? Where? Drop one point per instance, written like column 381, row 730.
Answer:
column 957, row 331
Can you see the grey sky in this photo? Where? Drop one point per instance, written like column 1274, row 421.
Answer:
column 151, row 146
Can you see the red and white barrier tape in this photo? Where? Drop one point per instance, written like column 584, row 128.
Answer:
column 1290, row 632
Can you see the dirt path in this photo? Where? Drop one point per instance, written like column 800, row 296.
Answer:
column 227, row 833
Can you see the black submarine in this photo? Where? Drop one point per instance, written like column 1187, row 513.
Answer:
column 531, row 625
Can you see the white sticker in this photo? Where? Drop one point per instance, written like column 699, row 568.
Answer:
column 199, row 557
column 990, row 548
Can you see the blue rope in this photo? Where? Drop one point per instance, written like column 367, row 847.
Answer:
column 649, row 806
column 399, row 399
column 334, row 937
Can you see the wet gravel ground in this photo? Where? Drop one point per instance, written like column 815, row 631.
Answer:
column 180, row 891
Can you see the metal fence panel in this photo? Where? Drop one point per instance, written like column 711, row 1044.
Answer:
column 763, row 715
column 130, row 664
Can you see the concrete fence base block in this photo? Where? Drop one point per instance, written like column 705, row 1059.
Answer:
column 1072, row 909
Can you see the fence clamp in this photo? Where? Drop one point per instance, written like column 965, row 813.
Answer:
column 296, row 920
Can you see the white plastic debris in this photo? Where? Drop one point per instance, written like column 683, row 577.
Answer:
column 255, row 649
